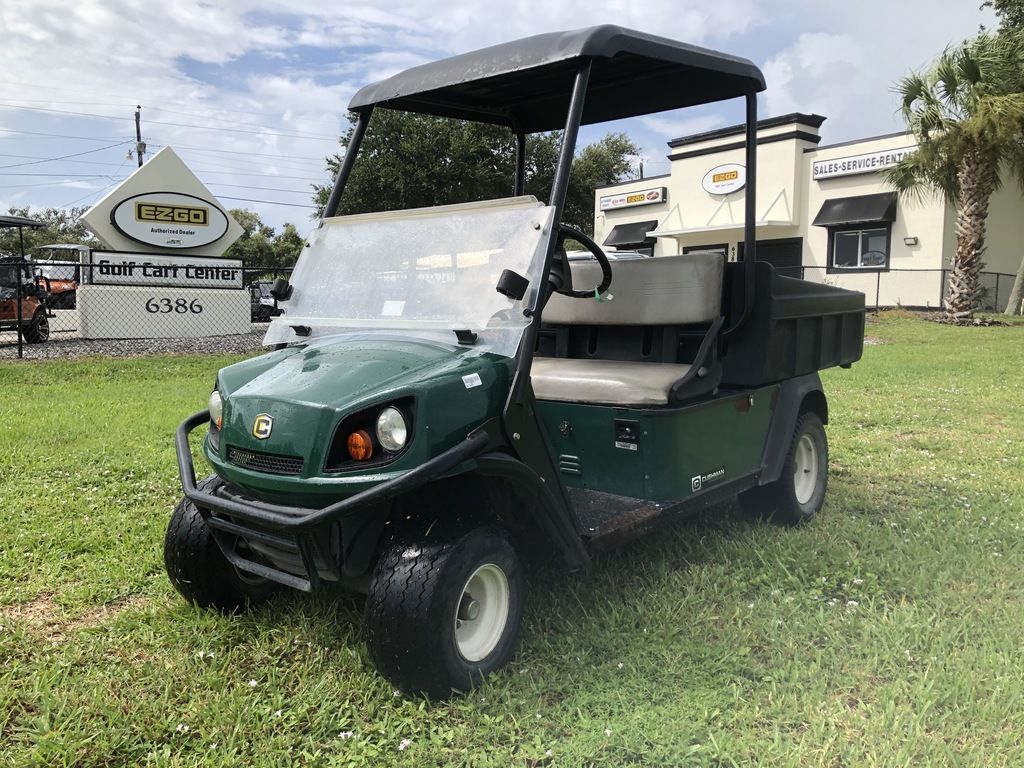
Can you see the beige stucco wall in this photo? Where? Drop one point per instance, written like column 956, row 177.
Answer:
column 689, row 206
column 924, row 219
column 789, row 198
column 1005, row 229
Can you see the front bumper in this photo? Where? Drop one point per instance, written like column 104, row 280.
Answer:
column 297, row 529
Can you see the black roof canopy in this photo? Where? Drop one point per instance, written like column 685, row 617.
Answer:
column 527, row 83
column 20, row 221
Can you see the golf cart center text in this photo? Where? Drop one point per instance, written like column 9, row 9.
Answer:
column 172, row 271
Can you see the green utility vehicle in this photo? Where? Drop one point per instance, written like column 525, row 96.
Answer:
column 449, row 397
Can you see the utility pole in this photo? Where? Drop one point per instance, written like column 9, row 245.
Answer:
column 140, row 145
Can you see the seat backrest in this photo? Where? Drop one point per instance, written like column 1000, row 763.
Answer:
column 664, row 290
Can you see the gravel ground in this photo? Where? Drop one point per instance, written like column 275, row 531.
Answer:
column 57, row 348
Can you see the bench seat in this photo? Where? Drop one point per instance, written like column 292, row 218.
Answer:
column 605, row 382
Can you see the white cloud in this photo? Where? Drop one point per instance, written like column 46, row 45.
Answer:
column 821, row 72
column 680, row 125
column 105, row 56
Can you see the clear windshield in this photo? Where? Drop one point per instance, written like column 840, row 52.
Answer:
column 427, row 270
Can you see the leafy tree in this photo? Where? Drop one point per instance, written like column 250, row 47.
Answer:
column 288, row 245
column 410, row 161
column 967, row 112
column 60, row 226
column 1010, row 13
column 260, row 245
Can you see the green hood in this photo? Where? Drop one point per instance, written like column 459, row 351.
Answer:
column 335, row 373
column 308, row 390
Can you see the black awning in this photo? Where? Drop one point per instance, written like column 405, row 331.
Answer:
column 862, row 209
column 634, row 233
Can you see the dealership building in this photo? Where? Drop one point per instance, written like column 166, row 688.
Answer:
column 824, row 213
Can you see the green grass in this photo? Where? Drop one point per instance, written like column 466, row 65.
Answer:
column 886, row 633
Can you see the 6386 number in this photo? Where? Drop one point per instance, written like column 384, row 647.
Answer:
column 165, row 306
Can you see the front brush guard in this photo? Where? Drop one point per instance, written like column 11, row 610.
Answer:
column 295, row 529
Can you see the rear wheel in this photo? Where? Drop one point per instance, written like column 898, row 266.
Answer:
column 198, row 569
column 799, row 492
column 441, row 616
column 38, row 329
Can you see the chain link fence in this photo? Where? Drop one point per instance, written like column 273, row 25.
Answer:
column 70, row 309
column 65, row 309
column 910, row 288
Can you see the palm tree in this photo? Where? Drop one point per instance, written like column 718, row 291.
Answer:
column 967, row 113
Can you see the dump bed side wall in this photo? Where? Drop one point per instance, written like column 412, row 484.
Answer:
column 796, row 328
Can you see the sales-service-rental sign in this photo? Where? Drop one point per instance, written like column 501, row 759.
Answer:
column 169, row 220
column 855, row 164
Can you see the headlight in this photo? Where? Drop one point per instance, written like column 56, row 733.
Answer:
column 216, row 406
column 391, row 430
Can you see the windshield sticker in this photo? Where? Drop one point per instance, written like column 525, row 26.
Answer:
column 472, row 380
column 393, row 309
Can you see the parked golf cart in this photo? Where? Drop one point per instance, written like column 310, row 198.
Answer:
column 61, row 266
column 23, row 295
column 449, row 398
column 262, row 304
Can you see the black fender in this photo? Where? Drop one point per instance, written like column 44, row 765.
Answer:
column 792, row 396
column 552, row 519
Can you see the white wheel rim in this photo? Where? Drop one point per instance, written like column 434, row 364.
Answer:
column 805, row 469
column 481, row 613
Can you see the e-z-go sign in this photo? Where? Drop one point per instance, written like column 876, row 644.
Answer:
column 119, row 268
column 632, row 199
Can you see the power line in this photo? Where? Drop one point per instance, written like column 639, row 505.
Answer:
column 241, row 152
column 62, row 175
column 50, row 183
column 120, row 103
column 39, row 161
column 265, row 189
column 76, row 162
column 55, row 135
column 268, row 202
column 287, row 134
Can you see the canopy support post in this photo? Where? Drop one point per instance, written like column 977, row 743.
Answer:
column 347, row 162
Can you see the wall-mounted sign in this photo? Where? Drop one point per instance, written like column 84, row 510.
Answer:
column 725, row 179
column 634, row 198
column 121, row 268
column 170, row 220
column 854, row 164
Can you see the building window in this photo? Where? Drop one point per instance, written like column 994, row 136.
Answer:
column 721, row 248
column 863, row 248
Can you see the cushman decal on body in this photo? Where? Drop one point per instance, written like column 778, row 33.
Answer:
column 697, row 482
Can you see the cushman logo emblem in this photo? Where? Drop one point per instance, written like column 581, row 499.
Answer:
column 262, row 426
column 697, row 482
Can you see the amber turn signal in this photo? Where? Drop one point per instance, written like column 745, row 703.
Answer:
column 360, row 447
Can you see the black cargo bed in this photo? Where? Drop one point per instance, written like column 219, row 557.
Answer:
column 796, row 327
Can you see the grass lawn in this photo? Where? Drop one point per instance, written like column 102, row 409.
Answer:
column 888, row 632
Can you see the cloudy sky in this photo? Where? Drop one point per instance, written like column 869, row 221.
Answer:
column 252, row 93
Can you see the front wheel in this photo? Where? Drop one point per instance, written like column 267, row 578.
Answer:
column 37, row 331
column 441, row 616
column 198, row 569
column 799, row 493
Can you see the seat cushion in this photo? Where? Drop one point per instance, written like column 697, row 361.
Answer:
column 608, row 382
column 664, row 290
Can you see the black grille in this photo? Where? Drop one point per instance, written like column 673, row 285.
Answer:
column 271, row 463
